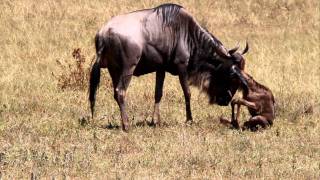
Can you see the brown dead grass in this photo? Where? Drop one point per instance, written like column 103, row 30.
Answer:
column 74, row 76
column 45, row 132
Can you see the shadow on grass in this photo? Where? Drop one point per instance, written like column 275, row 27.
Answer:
column 110, row 126
column 150, row 124
column 85, row 121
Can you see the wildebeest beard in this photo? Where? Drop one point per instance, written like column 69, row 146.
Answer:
column 216, row 83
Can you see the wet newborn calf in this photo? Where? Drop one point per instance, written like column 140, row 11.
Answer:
column 260, row 102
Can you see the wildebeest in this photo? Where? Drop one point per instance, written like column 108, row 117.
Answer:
column 260, row 102
column 163, row 39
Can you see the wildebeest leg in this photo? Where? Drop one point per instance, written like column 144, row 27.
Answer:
column 183, row 77
column 120, row 84
column 124, row 56
column 235, row 117
column 255, row 121
column 160, row 75
column 239, row 102
column 245, row 103
column 120, row 94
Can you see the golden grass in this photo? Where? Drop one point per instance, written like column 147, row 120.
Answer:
column 40, row 130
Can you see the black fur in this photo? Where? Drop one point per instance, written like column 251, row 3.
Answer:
column 94, row 85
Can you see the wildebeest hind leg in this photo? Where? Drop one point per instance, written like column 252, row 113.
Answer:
column 120, row 84
column 160, row 75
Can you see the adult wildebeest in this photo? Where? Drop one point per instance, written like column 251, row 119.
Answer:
column 163, row 39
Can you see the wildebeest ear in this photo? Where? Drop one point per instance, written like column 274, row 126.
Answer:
column 246, row 48
column 235, row 70
column 233, row 50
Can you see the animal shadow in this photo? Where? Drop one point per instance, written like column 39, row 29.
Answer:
column 110, row 126
column 150, row 124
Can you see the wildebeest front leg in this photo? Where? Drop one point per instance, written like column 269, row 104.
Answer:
column 160, row 75
column 183, row 77
column 235, row 116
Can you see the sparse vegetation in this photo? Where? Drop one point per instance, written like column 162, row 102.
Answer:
column 74, row 75
column 45, row 131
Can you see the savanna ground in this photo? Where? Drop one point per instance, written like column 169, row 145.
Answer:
column 45, row 131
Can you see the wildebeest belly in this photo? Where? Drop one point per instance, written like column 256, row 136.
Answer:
column 144, row 67
column 152, row 60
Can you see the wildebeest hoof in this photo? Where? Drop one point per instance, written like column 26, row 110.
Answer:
column 125, row 128
column 189, row 122
column 154, row 124
column 235, row 124
column 225, row 121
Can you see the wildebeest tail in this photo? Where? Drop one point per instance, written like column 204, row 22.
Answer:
column 94, row 84
column 95, row 74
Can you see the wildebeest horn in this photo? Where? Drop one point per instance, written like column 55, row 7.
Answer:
column 236, row 71
column 246, row 48
column 221, row 51
column 233, row 50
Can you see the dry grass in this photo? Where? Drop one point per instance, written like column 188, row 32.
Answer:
column 43, row 130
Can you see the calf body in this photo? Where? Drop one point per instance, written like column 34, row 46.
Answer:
column 260, row 103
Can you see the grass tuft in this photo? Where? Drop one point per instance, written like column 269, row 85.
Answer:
column 75, row 75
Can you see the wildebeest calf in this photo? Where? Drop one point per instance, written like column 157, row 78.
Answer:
column 260, row 102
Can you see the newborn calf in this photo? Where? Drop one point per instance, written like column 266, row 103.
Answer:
column 260, row 102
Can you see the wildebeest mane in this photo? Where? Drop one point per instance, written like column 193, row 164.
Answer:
column 207, row 62
column 199, row 78
column 168, row 13
column 203, row 73
column 197, row 36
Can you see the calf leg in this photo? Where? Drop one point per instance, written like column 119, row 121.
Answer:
column 243, row 102
column 160, row 75
column 255, row 121
column 239, row 102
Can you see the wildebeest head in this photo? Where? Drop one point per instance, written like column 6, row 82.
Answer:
column 226, row 77
column 224, row 84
